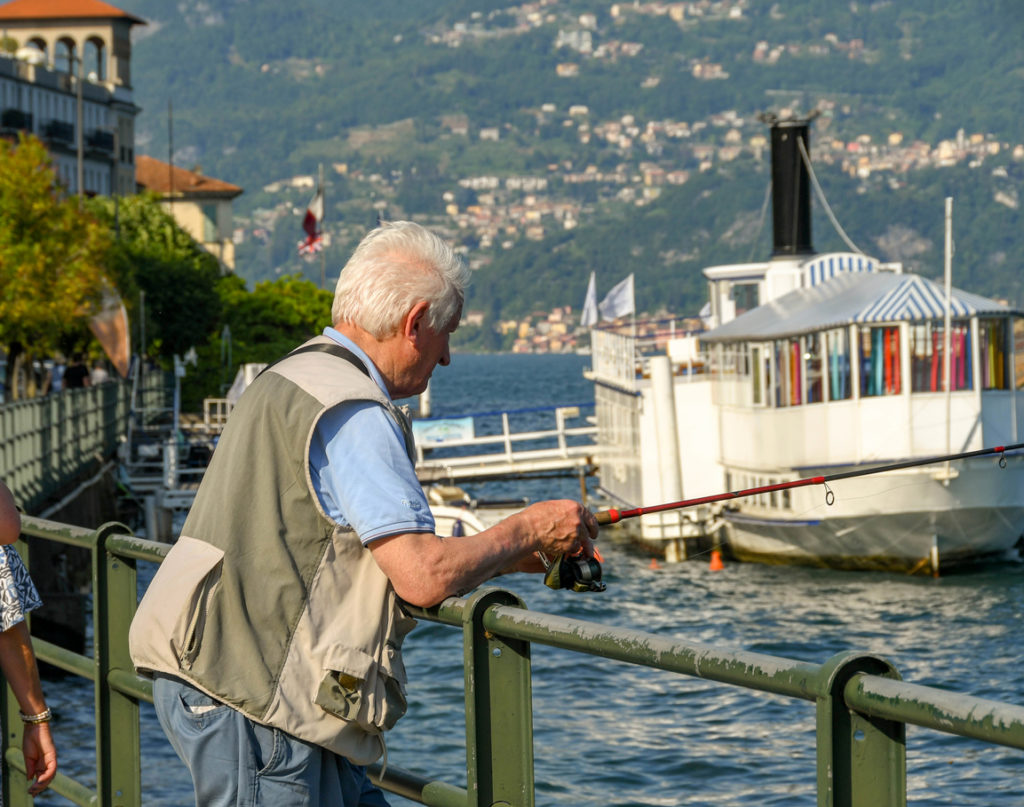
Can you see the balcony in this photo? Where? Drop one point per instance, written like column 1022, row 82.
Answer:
column 59, row 130
column 100, row 140
column 16, row 119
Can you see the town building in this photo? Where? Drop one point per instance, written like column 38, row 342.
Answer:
column 65, row 77
column 201, row 205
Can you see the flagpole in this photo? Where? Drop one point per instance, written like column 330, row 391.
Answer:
column 632, row 288
column 323, row 253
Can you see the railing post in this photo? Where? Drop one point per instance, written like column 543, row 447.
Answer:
column 862, row 761
column 114, row 595
column 508, row 436
column 499, row 709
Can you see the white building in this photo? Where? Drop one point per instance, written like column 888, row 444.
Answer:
column 65, row 77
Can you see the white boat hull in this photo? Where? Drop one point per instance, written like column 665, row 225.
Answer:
column 912, row 521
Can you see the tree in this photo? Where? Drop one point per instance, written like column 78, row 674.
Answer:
column 152, row 254
column 51, row 261
column 264, row 324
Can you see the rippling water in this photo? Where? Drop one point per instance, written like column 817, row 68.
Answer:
column 608, row 733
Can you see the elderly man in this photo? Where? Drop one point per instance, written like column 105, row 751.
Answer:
column 274, row 626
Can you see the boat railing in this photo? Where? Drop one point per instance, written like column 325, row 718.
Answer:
column 623, row 359
column 215, row 414
column 862, row 706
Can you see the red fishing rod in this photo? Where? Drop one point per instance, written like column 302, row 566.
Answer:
column 613, row 516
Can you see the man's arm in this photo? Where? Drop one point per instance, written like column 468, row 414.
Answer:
column 425, row 568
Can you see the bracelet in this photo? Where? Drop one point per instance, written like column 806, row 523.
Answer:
column 43, row 717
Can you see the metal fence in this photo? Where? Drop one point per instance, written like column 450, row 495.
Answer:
column 46, row 444
column 862, row 705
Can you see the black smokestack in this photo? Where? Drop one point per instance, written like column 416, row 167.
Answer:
column 791, row 188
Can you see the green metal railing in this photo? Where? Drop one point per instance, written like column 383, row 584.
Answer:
column 862, row 706
column 47, row 444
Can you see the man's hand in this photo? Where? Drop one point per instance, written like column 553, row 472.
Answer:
column 561, row 527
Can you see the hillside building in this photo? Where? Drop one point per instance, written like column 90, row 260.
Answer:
column 201, row 205
column 65, row 77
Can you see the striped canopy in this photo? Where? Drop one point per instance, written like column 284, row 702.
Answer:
column 852, row 297
column 825, row 267
column 916, row 297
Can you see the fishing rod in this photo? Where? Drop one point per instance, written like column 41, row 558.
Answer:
column 614, row 516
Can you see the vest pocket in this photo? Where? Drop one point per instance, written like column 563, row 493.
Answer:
column 360, row 690
column 172, row 615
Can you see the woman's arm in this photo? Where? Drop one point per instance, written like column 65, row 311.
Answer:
column 18, row 664
column 10, row 518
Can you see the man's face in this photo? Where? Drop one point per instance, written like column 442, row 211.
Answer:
column 429, row 349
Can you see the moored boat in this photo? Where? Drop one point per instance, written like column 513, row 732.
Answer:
column 815, row 365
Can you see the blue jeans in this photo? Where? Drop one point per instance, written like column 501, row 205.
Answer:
column 236, row 762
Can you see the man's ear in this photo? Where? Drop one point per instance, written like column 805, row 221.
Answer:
column 415, row 320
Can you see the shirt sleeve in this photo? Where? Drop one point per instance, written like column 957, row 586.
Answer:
column 362, row 474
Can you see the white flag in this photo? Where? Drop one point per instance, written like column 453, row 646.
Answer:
column 619, row 301
column 589, row 316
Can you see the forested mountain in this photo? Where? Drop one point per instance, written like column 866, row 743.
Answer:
column 563, row 136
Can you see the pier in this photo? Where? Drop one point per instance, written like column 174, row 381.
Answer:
column 485, row 446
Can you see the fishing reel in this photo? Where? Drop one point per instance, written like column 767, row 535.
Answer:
column 576, row 573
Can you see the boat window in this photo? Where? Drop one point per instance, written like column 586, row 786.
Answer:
column 788, row 373
column 927, row 346
column 744, row 295
column 992, row 352
column 812, row 367
column 759, row 371
column 879, row 361
column 1018, row 350
column 837, row 342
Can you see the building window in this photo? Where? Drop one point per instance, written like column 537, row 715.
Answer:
column 210, row 233
column 95, row 59
column 64, row 55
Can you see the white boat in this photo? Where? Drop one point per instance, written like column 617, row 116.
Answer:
column 816, row 365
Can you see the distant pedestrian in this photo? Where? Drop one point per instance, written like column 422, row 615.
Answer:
column 55, row 379
column 99, row 374
column 77, row 375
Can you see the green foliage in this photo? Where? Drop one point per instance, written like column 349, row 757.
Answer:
column 154, row 256
column 51, row 256
column 258, row 326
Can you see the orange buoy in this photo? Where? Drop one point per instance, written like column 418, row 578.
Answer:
column 655, row 564
column 716, row 561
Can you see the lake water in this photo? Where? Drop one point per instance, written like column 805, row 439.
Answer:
column 608, row 733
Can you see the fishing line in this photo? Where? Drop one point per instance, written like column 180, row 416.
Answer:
column 614, row 516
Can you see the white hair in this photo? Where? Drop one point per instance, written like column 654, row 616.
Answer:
column 395, row 266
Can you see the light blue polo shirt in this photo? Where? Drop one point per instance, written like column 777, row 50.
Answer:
column 361, row 472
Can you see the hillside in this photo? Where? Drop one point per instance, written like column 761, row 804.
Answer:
column 559, row 137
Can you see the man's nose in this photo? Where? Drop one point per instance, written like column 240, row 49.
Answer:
column 446, row 357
